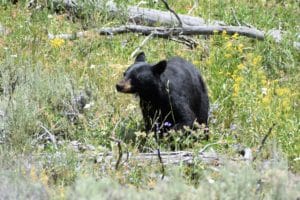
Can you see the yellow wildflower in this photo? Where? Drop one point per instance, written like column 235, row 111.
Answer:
column 140, row 134
column 57, row 42
column 227, row 55
column 236, row 85
column 285, row 104
column 282, row 91
column 228, row 45
column 151, row 183
column 240, row 48
column 262, row 77
column 264, row 82
column 224, row 33
column 266, row 100
column 239, row 79
column 241, row 66
column 33, row 174
column 249, row 56
column 235, row 36
column 236, row 89
column 62, row 192
column 44, row 178
column 256, row 60
column 209, row 61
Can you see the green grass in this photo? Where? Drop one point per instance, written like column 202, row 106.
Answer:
column 252, row 84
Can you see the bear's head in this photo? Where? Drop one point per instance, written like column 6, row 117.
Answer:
column 142, row 77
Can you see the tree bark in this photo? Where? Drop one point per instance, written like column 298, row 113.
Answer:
column 186, row 30
column 168, row 158
column 136, row 14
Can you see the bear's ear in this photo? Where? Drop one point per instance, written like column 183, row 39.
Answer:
column 140, row 57
column 160, row 67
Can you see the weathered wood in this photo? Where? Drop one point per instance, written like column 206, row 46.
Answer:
column 191, row 25
column 152, row 16
column 137, row 14
column 168, row 158
column 186, row 30
column 169, row 32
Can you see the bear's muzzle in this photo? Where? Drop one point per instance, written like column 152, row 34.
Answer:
column 125, row 86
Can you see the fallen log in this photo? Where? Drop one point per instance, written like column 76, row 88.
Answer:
column 186, row 30
column 152, row 16
column 168, row 158
column 190, row 25
column 134, row 14
column 165, row 32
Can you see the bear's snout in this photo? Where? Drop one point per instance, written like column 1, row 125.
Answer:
column 124, row 86
column 119, row 87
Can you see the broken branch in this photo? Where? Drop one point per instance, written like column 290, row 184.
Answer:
column 120, row 152
column 263, row 141
column 172, row 11
column 162, row 164
column 186, row 30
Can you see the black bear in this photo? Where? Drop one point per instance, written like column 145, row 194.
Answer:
column 172, row 93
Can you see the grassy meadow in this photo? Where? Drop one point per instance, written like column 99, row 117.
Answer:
column 56, row 94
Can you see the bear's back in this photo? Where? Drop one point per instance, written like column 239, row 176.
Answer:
column 184, row 82
column 182, row 74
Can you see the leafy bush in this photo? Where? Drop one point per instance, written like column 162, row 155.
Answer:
column 234, row 181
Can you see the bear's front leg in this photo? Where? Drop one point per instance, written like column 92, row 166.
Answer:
column 184, row 116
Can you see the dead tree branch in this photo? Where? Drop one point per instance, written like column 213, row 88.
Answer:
column 51, row 136
column 169, row 158
column 172, row 11
column 235, row 17
column 263, row 142
column 161, row 163
column 120, row 152
column 186, row 30
column 179, row 34
column 133, row 54
column 196, row 4
column 138, row 15
column 135, row 13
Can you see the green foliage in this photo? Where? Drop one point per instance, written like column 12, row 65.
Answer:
column 252, row 84
column 232, row 182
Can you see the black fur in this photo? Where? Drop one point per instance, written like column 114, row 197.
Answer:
column 172, row 93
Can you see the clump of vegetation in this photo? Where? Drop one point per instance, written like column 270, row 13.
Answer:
column 54, row 91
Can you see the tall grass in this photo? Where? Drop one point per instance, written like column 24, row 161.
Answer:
column 66, row 88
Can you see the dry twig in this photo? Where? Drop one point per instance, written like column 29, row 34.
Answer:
column 235, row 17
column 172, row 11
column 120, row 152
column 51, row 136
column 196, row 4
column 162, row 164
column 133, row 54
column 263, row 142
